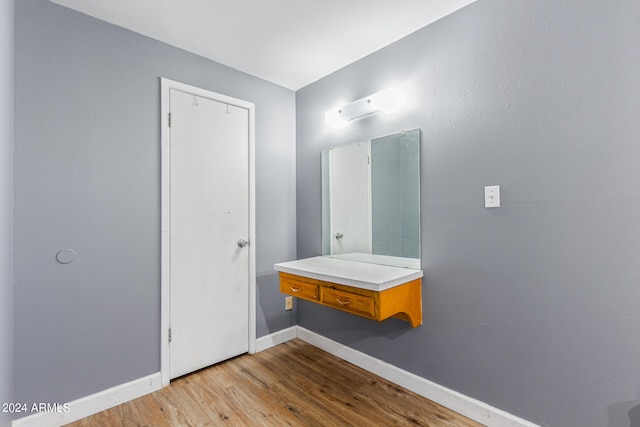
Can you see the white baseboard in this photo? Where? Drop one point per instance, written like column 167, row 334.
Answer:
column 122, row 393
column 465, row 405
column 276, row 338
column 92, row 404
column 458, row 402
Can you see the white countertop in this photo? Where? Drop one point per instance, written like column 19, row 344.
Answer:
column 374, row 277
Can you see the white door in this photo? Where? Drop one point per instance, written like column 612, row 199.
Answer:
column 350, row 202
column 209, row 222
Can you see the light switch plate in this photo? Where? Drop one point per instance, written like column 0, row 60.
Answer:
column 288, row 303
column 492, row 196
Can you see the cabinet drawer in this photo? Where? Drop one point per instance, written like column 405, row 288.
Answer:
column 348, row 301
column 299, row 289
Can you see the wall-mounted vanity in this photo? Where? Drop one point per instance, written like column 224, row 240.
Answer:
column 370, row 232
column 370, row 290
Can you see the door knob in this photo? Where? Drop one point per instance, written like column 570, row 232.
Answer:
column 242, row 243
column 339, row 236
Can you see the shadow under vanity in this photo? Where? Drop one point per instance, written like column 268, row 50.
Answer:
column 370, row 232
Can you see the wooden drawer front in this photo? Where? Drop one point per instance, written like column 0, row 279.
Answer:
column 299, row 289
column 359, row 304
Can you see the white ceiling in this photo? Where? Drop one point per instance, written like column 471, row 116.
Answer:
column 288, row 42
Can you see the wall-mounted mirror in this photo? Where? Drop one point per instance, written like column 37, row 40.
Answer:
column 371, row 200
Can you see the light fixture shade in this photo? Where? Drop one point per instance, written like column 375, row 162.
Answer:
column 389, row 101
column 332, row 117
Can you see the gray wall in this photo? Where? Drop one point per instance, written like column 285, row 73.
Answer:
column 533, row 307
column 6, row 206
column 87, row 177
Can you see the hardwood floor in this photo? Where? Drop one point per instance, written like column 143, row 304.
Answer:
column 292, row 384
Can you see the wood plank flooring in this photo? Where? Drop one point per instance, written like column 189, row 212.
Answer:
column 292, row 384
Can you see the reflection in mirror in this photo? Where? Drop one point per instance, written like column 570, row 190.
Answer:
column 371, row 200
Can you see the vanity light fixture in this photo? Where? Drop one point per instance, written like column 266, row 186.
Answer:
column 388, row 101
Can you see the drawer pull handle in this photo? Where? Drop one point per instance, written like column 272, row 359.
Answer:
column 341, row 302
column 295, row 289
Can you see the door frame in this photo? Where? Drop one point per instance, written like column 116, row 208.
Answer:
column 165, row 159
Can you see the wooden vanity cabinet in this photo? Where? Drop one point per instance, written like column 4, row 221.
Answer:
column 403, row 301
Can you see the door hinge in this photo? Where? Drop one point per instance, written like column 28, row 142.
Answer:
column 169, row 119
column 169, row 334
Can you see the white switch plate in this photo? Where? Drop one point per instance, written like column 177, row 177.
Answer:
column 492, row 196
